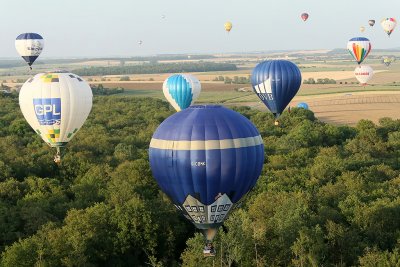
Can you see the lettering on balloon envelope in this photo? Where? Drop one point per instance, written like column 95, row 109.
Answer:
column 48, row 110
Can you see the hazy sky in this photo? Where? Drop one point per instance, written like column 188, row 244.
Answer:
column 103, row 28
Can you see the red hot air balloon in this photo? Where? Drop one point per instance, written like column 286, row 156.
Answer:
column 304, row 16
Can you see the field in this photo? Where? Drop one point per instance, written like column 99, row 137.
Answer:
column 342, row 103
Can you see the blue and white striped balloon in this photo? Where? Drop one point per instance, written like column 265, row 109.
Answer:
column 181, row 90
column 29, row 46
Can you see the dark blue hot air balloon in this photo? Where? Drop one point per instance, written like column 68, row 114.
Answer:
column 206, row 158
column 276, row 82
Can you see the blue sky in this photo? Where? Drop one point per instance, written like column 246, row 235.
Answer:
column 103, row 28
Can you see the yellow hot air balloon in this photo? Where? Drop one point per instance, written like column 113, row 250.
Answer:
column 362, row 29
column 228, row 26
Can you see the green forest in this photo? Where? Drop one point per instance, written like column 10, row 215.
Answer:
column 149, row 68
column 328, row 195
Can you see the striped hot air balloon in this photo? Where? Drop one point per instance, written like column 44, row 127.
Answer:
column 29, row 46
column 181, row 90
column 206, row 158
column 359, row 48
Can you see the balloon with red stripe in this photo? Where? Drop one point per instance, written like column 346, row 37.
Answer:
column 359, row 48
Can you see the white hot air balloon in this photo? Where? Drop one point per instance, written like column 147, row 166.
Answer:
column 388, row 25
column 56, row 105
column 29, row 46
column 363, row 74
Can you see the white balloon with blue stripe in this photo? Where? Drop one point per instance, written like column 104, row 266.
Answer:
column 29, row 46
column 181, row 90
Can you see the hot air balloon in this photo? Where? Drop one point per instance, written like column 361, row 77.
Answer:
column 140, row 42
column 388, row 60
column 29, row 46
column 276, row 82
column 363, row 74
column 362, row 29
column 228, row 26
column 359, row 48
column 302, row 105
column 205, row 159
column 388, row 25
column 371, row 22
column 56, row 105
column 304, row 16
column 181, row 90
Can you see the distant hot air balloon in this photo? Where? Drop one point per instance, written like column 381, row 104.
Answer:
column 304, row 16
column 388, row 25
column 371, row 22
column 362, row 29
column 359, row 48
column 363, row 74
column 302, row 105
column 56, row 105
column 388, row 60
column 140, row 42
column 205, row 159
column 228, row 26
column 181, row 90
column 276, row 82
column 29, row 46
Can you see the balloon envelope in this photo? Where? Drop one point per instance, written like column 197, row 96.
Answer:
column 302, row 105
column 304, row 16
column 29, row 46
column 55, row 105
column 359, row 48
column 387, row 61
column 388, row 25
column 228, row 26
column 276, row 82
column 363, row 74
column 371, row 22
column 206, row 158
column 181, row 90
column 362, row 29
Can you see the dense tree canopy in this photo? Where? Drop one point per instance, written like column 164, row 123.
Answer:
column 328, row 195
column 156, row 68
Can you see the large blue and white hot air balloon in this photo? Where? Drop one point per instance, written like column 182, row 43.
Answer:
column 276, row 82
column 206, row 158
column 29, row 46
column 181, row 90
